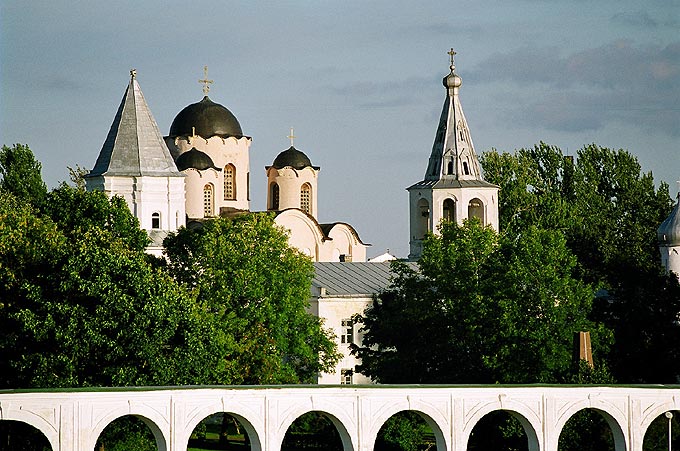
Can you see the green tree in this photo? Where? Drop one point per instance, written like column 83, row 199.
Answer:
column 87, row 309
column 608, row 210
column 21, row 174
column 255, row 288
column 480, row 309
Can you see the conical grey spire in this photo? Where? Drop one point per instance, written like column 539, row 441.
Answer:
column 453, row 154
column 134, row 145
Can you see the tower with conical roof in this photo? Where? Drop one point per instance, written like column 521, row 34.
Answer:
column 209, row 147
column 135, row 163
column 292, row 181
column 453, row 188
column 668, row 234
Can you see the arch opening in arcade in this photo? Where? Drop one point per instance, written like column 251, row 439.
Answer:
column 503, row 429
column 314, row 431
column 20, row 436
column 591, row 429
column 409, row 430
column 222, row 431
column 657, row 434
column 131, row 432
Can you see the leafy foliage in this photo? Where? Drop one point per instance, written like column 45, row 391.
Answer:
column 21, row 174
column 406, row 431
column 608, row 210
column 255, row 289
column 83, row 308
column 487, row 309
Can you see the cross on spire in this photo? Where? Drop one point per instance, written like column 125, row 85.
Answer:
column 205, row 82
column 452, row 53
column 133, row 73
column 291, row 137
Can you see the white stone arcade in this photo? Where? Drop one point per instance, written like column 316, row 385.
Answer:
column 73, row 420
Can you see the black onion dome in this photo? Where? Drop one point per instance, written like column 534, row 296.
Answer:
column 293, row 158
column 208, row 119
column 194, row 159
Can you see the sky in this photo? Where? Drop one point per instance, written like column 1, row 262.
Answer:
column 359, row 80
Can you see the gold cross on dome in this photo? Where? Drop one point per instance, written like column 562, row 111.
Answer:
column 452, row 53
column 291, row 137
column 205, row 82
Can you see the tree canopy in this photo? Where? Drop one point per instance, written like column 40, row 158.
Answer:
column 21, row 174
column 481, row 308
column 576, row 250
column 256, row 289
column 609, row 210
column 82, row 304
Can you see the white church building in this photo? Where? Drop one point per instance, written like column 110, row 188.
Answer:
column 201, row 170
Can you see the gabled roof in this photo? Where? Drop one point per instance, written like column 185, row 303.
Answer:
column 353, row 278
column 134, row 145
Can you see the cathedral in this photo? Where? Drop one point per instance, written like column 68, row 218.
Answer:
column 201, row 170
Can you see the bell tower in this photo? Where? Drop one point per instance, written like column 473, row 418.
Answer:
column 453, row 188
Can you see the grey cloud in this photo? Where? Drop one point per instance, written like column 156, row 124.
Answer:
column 384, row 94
column 636, row 19
column 583, row 91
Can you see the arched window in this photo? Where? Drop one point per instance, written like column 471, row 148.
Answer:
column 306, row 198
column 476, row 210
column 423, row 219
column 230, row 182
column 155, row 220
column 449, row 210
column 449, row 167
column 466, row 169
column 274, row 196
column 208, row 198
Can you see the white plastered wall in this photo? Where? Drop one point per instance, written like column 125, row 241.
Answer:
column 147, row 195
column 290, row 183
column 435, row 199
column 333, row 310
column 222, row 151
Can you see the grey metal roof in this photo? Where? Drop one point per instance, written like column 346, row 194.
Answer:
column 134, row 145
column 449, row 183
column 352, row 278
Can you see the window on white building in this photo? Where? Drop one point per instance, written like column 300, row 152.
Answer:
column 346, row 377
column 347, row 333
column 208, row 200
column 306, row 198
column 274, row 199
column 156, row 220
column 229, row 182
